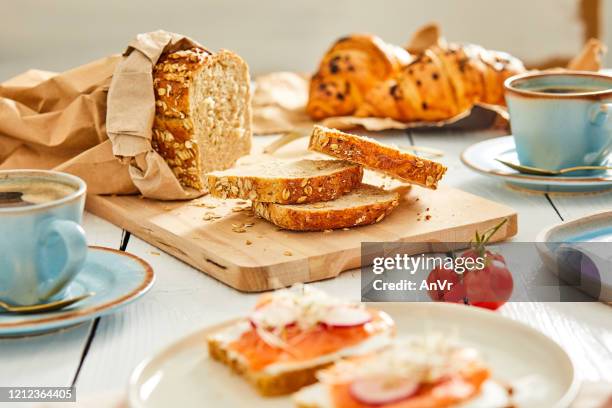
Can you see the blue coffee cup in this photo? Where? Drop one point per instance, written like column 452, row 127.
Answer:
column 561, row 119
column 42, row 244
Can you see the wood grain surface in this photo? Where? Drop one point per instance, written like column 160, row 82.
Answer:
column 223, row 239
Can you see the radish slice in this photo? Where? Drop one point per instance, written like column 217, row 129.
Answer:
column 378, row 391
column 273, row 315
column 347, row 316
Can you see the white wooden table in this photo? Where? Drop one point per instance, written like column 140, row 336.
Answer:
column 97, row 357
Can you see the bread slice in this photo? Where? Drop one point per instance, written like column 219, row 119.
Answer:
column 268, row 385
column 364, row 205
column 376, row 156
column 202, row 112
column 286, row 181
column 286, row 375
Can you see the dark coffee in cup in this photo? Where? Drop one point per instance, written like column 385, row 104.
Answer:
column 564, row 90
column 18, row 192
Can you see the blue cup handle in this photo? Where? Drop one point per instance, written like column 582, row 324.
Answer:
column 72, row 237
column 600, row 113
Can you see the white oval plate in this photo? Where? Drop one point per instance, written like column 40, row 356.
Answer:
column 184, row 376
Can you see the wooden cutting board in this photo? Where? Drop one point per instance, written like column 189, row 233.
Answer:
column 264, row 257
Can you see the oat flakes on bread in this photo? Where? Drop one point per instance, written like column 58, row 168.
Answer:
column 202, row 112
column 377, row 156
column 286, row 181
column 363, row 206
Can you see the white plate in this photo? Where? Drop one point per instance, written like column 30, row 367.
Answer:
column 184, row 376
column 481, row 156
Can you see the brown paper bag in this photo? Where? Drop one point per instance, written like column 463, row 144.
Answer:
column 93, row 121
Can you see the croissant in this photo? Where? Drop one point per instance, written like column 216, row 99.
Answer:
column 438, row 83
column 348, row 71
column 441, row 83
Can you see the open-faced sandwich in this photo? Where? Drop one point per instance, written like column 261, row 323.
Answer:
column 294, row 332
column 423, row 372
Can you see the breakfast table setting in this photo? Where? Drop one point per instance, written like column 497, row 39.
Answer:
column 161, row 211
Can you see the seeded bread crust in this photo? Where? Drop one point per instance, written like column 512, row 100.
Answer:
column 365, row 205
column 278, row 188
column 173, row 136
column 267, row 385
column 376, row 156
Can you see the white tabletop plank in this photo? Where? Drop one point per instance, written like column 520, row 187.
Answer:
column 576, row 206
column 53, row 359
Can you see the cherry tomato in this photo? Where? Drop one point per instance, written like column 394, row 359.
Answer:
column 491, row 286
column 455, row 294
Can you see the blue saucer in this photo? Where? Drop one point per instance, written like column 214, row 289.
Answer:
column 117, row 278
column 481, row 156
column 590, row 235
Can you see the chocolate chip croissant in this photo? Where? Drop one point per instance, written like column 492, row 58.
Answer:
column 437, row 83
column 441, row 83
column 348, row 71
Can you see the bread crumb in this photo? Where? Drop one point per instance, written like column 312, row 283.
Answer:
column 287, row 253
column 155, row 253
column 210, row 216
column 248, row 242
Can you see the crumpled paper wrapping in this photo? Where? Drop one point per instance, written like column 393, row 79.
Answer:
column 279, row 100
column 93, row 121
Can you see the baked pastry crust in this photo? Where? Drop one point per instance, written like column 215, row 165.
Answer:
column 178, row 113
column 348, row 70
column 362, row 75
column 311, row 181
column 363, row 206
column 266, row 384
column 441, row 83
column 376, row 156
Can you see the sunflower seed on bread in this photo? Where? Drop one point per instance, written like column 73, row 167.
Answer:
column 286, row 181
column 364, row 205
column 376, row 156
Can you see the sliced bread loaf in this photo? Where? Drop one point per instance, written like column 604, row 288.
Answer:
column 286, row 182
column 364, row 205
column 202, row 112
column 376, row 156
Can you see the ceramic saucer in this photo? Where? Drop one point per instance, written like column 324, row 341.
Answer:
column 587, row 240
column 481, row 156
column 117, row 278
